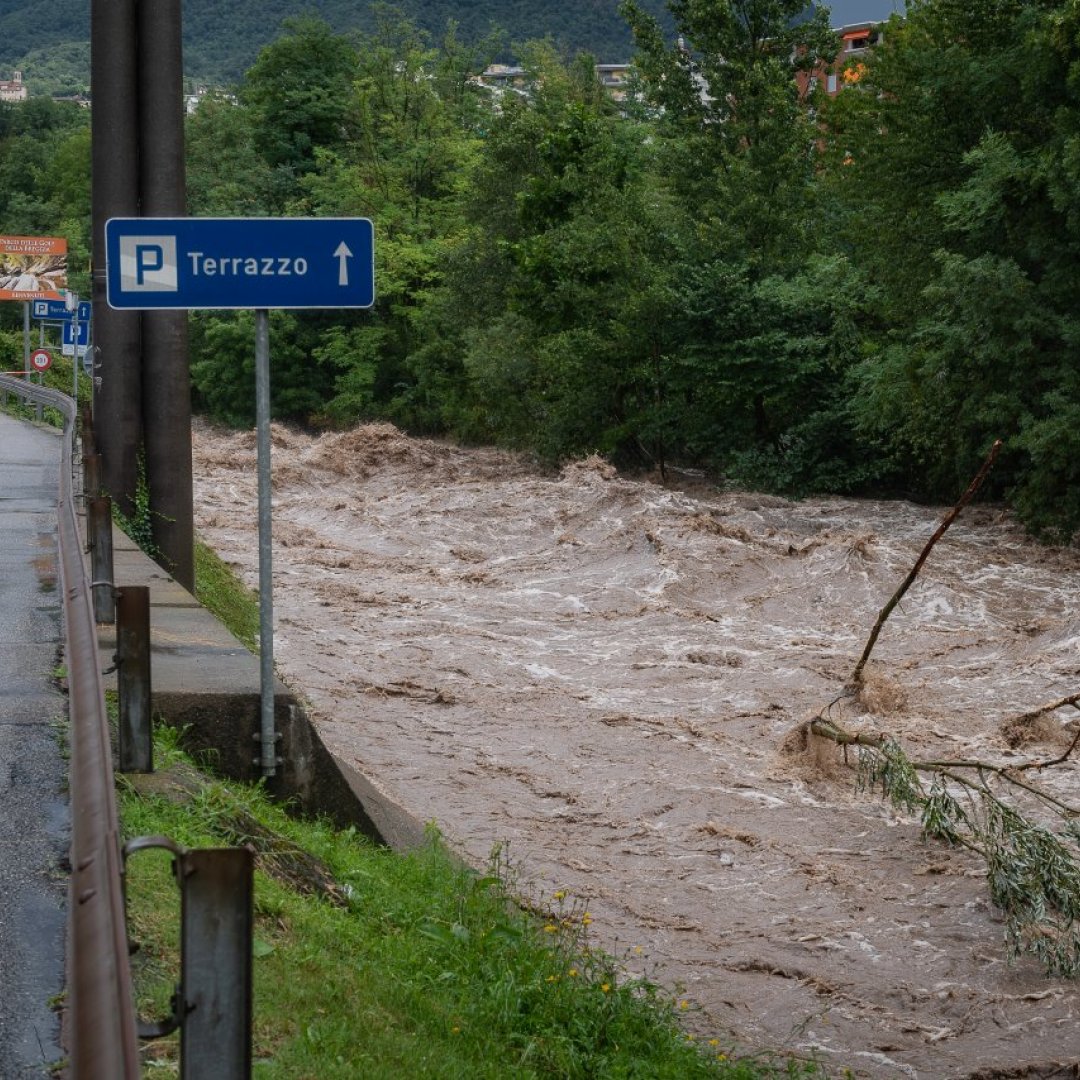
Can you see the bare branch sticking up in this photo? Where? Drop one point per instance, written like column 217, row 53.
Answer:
column 855, row 682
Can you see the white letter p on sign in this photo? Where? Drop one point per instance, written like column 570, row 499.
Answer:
column 148, row 264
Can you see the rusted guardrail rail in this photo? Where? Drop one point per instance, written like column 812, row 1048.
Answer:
column 102, row 1036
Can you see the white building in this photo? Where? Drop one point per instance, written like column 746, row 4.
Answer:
column 13, row 89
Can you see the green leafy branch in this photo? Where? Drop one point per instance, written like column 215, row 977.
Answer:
column 139, row 525
column 1033, row 872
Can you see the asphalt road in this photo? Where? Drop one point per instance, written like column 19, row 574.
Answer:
column 34, row 814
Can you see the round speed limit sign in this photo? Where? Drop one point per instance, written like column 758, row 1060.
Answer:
column 41, row 359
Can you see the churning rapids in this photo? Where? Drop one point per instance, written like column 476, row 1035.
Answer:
column 606, row 674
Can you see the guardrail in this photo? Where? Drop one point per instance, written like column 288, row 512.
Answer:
column 212, row 1003
column 101, row 1027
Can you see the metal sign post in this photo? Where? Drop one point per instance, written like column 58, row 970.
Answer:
column 267, row 732
column 71, row 306
column 245, row 264
column 72, row 316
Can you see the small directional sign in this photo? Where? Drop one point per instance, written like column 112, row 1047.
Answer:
column 56, row 310
column 239, row 263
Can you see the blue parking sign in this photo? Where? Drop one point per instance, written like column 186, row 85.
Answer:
column 229, row 263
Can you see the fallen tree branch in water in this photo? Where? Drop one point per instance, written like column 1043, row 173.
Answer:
column 1053, row 706
column 1053, row 761
column 1033, row 871
column 857, row 675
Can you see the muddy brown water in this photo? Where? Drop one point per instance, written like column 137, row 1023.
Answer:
column 603, row 674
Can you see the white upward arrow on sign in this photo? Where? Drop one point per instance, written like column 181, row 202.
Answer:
column 343, row 254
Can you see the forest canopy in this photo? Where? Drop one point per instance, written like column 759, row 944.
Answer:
column 48, row 40
column 795, row 292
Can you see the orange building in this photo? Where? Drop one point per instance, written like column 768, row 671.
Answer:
column 848, row 67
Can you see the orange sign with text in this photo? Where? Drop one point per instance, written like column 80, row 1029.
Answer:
column 33, row 267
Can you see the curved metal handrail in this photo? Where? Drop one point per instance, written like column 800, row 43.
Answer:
column 102, row 1036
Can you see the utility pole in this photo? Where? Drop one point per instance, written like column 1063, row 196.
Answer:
column 166, row 382
column 117, row 368
column 142, row 395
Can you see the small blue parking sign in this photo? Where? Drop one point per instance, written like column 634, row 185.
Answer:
column 57, row 310
column 229, row 263
column 69, row 342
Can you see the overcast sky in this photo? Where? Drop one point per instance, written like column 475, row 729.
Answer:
column 845, row 12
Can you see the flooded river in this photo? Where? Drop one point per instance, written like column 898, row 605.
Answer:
column 606, row 675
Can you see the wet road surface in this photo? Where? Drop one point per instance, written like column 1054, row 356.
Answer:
column 34, row 817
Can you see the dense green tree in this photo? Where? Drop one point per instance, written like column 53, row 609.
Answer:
column 417, row 114
column 960, row 203
column 223, row 366
column 767, row 306
column 300, row 93
column 549, row 330
column 395, row 146
column 226, row 175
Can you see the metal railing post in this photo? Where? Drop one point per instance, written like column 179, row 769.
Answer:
column 215, row 965
column 134, row 734
column 91, row 475
column 99, row 526
column 212, row 1003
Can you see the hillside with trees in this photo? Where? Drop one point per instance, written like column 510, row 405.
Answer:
column 222, row 38
column 853, row 295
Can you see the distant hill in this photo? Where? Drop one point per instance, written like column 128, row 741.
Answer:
column 47, row 39
column 223, row 37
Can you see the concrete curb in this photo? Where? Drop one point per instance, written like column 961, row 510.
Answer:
column 206, row 684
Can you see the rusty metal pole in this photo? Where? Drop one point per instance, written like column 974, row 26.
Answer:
column 99, row 526
column 86, row 430
column 117, row 365
column 134, row 733
column 91, row 475
column 166, row 381
column 215, row 964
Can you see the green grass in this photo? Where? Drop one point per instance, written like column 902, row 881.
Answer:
column 427, row 970
column 219, row 591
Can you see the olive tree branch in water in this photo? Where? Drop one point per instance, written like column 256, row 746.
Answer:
column 1033, row 872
